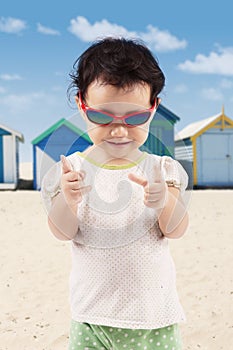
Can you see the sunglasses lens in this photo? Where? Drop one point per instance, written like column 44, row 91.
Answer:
column 138, row 119
column 98, row 117
column 101, row 118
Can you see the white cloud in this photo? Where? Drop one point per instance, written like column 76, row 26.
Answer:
column 157, row 39
column 162, row 40
column 81, row 28
column 46, row 30
column 212, row 94
column 216, row 63
column 10, row 77
column 12, row 25
column 180, row 89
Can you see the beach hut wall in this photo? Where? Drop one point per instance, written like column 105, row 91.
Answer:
column 9, row 157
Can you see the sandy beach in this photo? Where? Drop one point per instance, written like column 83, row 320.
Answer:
column 35, row 267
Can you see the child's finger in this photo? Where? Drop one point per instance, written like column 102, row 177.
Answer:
column 138, row 179
column 66, row 166
column 159, row 176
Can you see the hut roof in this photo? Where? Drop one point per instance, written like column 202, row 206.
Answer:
column 202, row 125
column 167, row 113
column 13, row 132
column 55, row 126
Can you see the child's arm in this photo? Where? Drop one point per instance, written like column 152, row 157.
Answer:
column 173, row 218
column 63, row 216
column 62, row 221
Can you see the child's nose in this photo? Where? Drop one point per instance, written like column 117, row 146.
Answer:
column 119, row 130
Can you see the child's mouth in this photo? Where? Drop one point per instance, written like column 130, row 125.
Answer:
column 118, row 144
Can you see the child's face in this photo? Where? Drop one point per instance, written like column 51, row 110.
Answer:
column 118, row 140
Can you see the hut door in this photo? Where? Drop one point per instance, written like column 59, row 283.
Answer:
column 9, row 164
column 216, row 159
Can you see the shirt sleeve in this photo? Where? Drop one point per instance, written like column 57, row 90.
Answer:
column 174, row 173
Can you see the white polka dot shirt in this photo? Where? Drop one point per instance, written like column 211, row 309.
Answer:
column 122, row 274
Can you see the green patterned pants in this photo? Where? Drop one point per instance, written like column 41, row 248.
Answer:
column 85, row 336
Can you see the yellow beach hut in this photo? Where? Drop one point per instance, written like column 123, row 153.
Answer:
column 208, row 145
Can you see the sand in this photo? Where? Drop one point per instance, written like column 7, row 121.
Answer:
column 34, row 301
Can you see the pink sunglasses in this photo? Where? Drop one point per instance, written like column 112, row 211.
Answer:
column 103, row 118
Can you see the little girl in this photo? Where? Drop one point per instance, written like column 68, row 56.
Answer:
column 118, row 206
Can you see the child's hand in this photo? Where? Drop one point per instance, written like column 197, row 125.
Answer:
column 72, row 185
column 155, row 193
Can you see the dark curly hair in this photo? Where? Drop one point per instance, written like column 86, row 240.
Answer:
column 117, row 61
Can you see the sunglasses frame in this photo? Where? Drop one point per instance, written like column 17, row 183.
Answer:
column 85, row 108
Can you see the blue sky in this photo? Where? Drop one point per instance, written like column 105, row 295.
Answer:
column 40, row 41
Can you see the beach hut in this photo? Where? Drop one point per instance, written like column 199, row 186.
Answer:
column 9, row 157
column 208, row 145
column 161, row 133
column 61, row 138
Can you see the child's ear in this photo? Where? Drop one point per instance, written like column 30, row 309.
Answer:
column 77, row 102
column 158, row 102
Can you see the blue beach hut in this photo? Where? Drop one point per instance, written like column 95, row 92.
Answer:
column 61, row 138
column 208, row 145
column 9, row 157
column 161, row 133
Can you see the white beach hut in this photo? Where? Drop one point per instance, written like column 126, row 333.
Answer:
column 208, row 145
column 9, row 157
